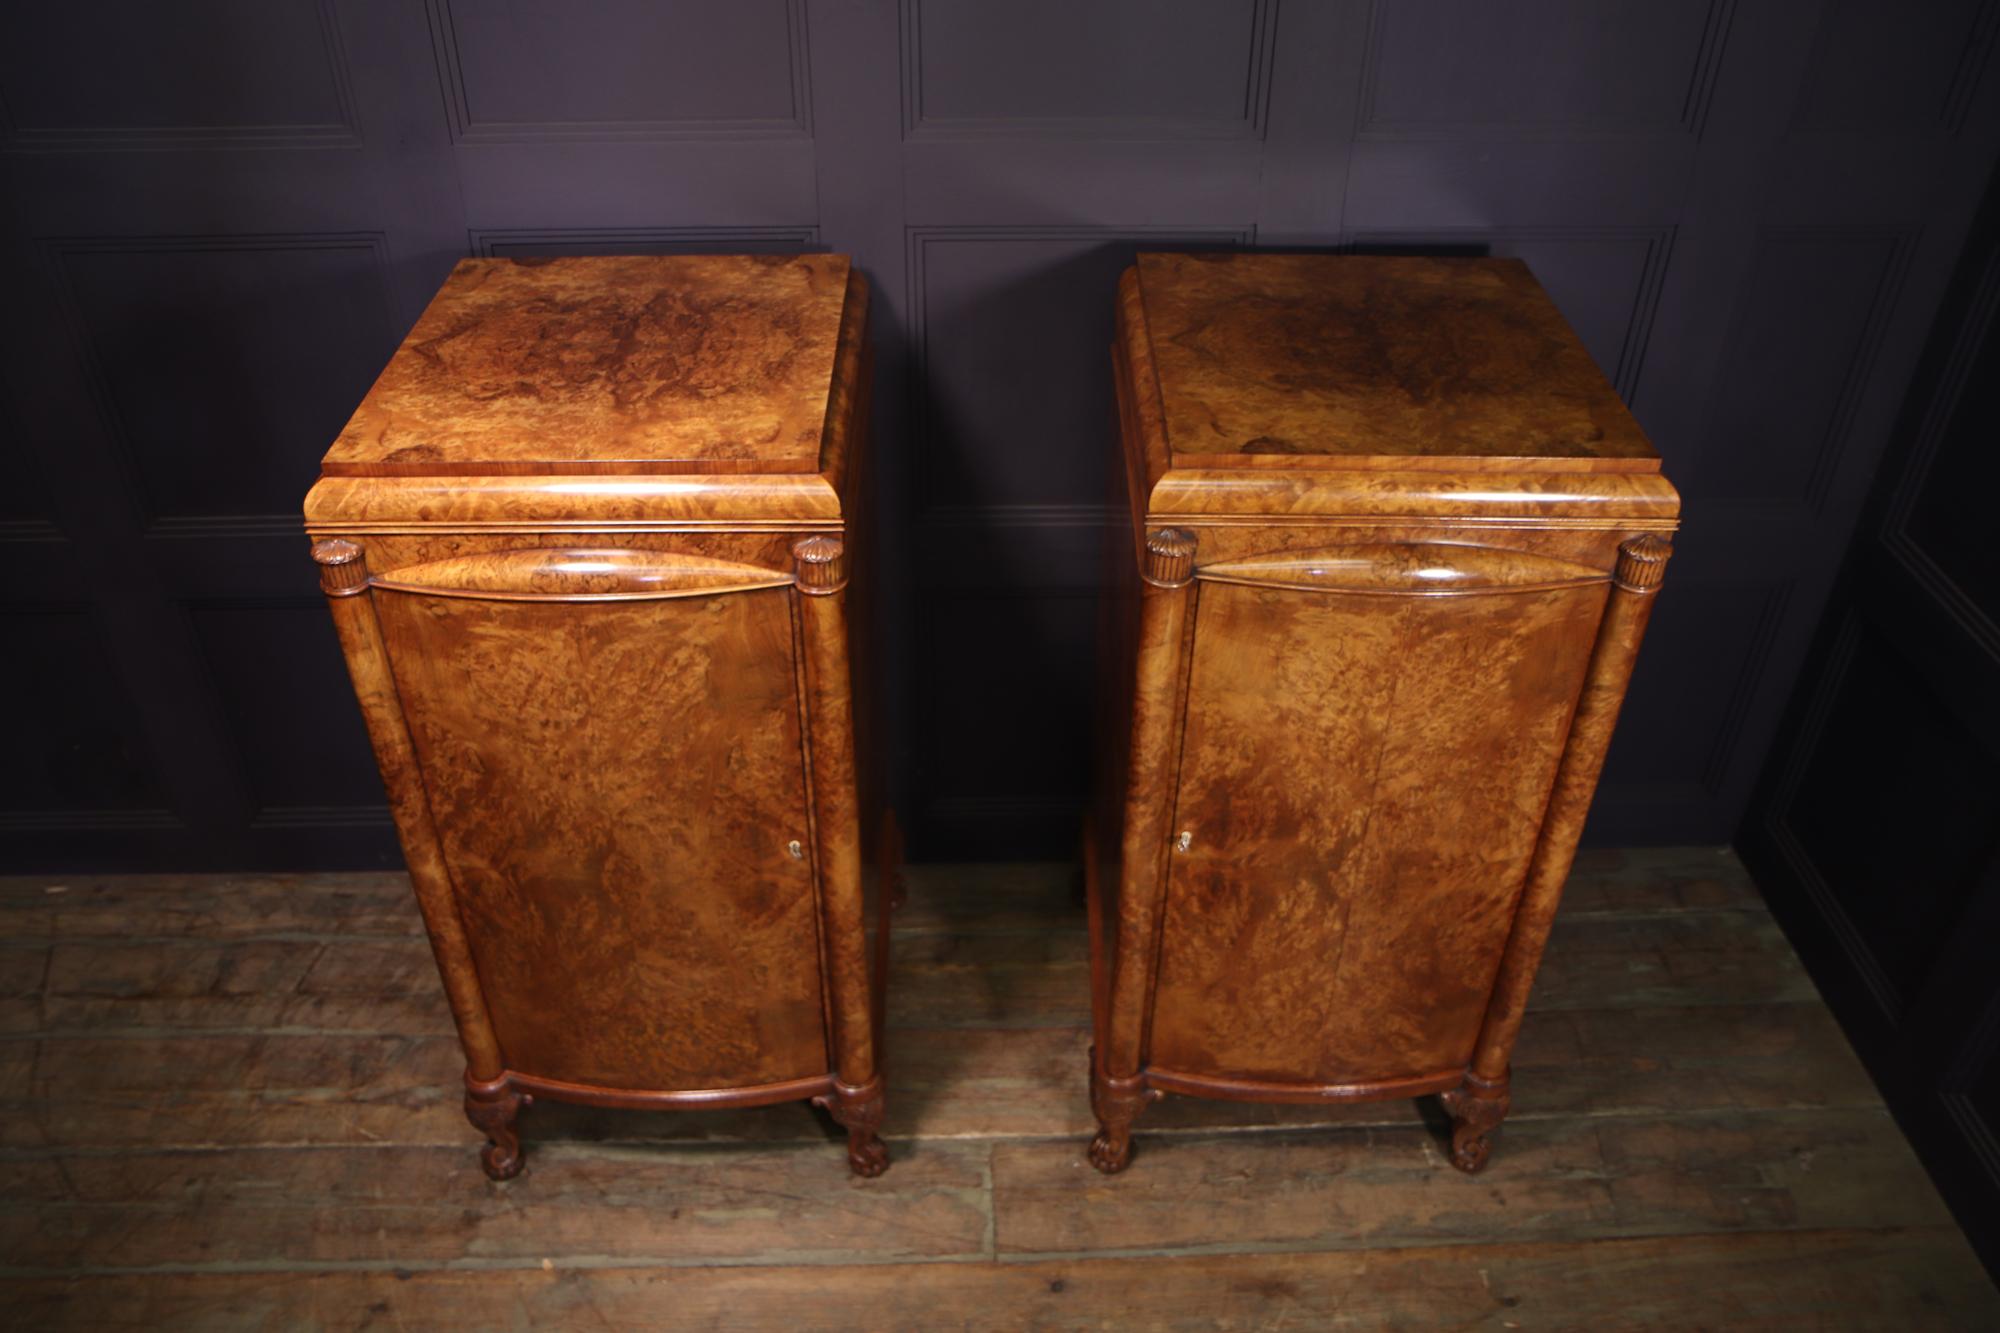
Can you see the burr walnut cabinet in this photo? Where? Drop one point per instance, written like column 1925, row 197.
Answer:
column 1392, row 545
column 587, row 545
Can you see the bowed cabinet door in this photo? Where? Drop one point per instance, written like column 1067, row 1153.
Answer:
column 1372, row 733
column 610, row 743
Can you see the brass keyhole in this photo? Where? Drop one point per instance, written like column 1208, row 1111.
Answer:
column 797, row 849
column 1185, row 841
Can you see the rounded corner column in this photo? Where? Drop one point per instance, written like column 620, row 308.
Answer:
column 344, row 578
column 1482, row 1102
column 856, row 1099
column 1117, row 1090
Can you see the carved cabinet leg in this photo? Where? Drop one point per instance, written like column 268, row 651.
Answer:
column 493, row 1108
column 859, row 1111
column 1116, row 1102
column 1476, row 1108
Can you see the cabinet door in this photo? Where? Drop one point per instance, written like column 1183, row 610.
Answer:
column 1372, row 734
column 610, row 741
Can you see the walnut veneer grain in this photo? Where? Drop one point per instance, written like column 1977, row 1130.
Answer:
column 615, row 712
column 1395, row 543
column 634, row 363
column 1312, row 361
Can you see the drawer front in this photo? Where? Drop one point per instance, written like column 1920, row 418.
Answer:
column 1371, row 738
column 610, row 743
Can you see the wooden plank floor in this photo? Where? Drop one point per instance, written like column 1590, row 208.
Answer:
column 231, row 1103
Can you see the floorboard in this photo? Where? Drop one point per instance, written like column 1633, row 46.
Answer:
column 1888, row 1280
column 232, row 1102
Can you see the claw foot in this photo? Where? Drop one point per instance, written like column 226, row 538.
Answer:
column 859, row 1111
column 1476, row 1109
column 869, row 1157
column 1111, row 1153
column 493, row 1108
column 1116, row 1102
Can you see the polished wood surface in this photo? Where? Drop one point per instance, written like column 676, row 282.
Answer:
column 1117, row 1094
column 228, row 1105
column 344, row 579
column 1166, row 486
column 635, row 363
column 617, row 834
column 1360, row 787
column 540, row 503
column 1318, row 360
column 1483, row 1102
column 855, row 1099
column 1364, row 700
column 614, row 712
column 553, row 574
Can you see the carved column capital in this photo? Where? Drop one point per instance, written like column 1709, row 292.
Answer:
column 1642, row 563
column 820, row 563
column 1169, row 560
column 343, row 570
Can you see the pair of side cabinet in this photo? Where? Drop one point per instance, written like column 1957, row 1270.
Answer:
column 593, row 544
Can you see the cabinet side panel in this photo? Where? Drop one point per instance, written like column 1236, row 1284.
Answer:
column 615, row 785
column 1361, row 785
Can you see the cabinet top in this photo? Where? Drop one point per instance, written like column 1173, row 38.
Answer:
column 1373, row 362
column 706, row 364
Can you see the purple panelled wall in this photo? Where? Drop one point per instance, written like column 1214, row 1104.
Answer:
column 221, row 215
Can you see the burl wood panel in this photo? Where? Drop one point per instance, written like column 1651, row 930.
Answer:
column 1312, row 360
column 1361, row 785
column 576, row 574
column 586, row 543
column 1414, row 538
column 617, row 787
column 523, row 503
column 657, row 363
column 1636, row 582
column 343, row 570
